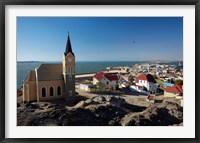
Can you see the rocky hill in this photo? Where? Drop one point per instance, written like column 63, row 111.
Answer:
column 99, row 111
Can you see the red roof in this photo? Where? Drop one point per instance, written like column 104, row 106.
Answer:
column 176, row 89
column 99, row 75
column 147, row 77
column 109, row 76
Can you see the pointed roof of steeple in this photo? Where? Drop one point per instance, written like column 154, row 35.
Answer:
column 68, row 46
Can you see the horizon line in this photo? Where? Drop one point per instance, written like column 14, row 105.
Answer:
column 110, row 61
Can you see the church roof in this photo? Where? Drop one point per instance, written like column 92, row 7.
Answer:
column 68, row 47
column 30, row 77
column 48, row 72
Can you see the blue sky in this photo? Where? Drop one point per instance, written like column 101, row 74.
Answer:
column 100, row 38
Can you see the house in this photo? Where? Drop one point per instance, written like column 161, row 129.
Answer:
column 165, row 71
column 106, row 80
column 174, row 91
column 146, row 81
column 51, row 81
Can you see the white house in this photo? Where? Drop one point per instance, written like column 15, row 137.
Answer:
column 147, row 81
column 107, row 80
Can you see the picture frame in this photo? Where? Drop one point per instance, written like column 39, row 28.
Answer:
column 3, row 5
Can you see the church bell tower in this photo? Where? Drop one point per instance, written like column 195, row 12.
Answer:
column 69, row 70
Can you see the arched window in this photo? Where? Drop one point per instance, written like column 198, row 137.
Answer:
column 70, row 93
column 51, row 91
column 70, row 77
column 68, row 69
column 58, row 90
column 43, row 92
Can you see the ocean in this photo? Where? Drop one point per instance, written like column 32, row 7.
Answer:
column 82, row 67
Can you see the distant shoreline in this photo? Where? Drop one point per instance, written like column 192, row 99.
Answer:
column 23, row 67
column 153, row 61
column 29, row 62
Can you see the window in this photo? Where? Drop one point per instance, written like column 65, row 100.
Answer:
column 107, row 83
column 116, row 82
column 70, row 69
column 43, row 92
column 59, row 90
column 51, row 91
column 70, row 77
column 70, row 93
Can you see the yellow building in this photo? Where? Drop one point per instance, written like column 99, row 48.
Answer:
column 51, row 81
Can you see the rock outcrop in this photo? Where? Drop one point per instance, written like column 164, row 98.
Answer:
column 99, row 111
column 164, row 114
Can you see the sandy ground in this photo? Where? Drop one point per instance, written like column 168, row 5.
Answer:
column 139, row 100
column 85, row 93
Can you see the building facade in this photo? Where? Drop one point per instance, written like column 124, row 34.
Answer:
column 174, row 91
column 51, row 81
column 146, row 81
column 106, row 80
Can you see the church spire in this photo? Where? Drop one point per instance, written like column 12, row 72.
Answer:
column 68, row 46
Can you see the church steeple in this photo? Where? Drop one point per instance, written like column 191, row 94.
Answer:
column 68, row 46
column 69, row 69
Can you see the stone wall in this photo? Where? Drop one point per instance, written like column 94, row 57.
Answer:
column 47, row 85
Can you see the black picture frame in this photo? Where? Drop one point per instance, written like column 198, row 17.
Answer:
column 3, row 4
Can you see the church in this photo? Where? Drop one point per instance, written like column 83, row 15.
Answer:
column 52, row 81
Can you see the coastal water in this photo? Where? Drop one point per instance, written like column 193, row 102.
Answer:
column 23, row 68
